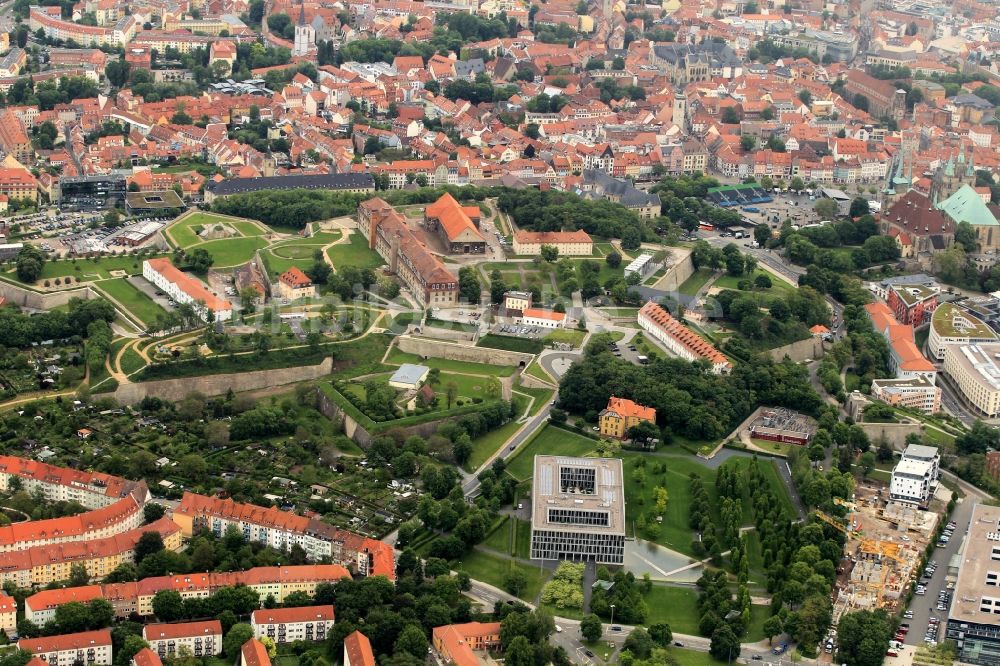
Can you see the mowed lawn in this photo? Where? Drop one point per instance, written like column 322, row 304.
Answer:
column 445, row 365
column 297, row 253
column 697, row 280
column 356, row 253
column 231, row 251
column 490, row 569
column 549, row 441
column 778, row 287
column 132, row 299
column 185, row 232
column 678, row 607
column 88, row 270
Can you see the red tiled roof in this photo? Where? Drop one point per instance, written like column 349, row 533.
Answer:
column 552, row 237
column 663, row 320
column 294, row 277
column 537, row 313
column 189, row 285
column 358, row 648
column 144, row 657
column 881, row 316
column 255, row 654
column 452, row 216
column 292, row 615
column 155, row 632
column 78, row 641
column 627, row 408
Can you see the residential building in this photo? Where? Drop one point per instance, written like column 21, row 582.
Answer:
column 8, row 614
column 115, row 504
column 884, row 97
column 253, row 653
column 543, row 318
column 915, row 475
column 952, row 325
column 916, row 393
column 293, row 284
column 282, row 530
column 569, row 243
column 912, row 304
column 357, row 183
column 18, row 183
column 288, row 625
column 358, row 650
column 88, row 648
column 974, row 370
column 144, row 657
column 457, row 225
column 516, row 302
column 905, row 359
column 183, row 288
column 55, row 28
column 13, row 139
column 458, row 643
column 622, row 414
column 578, row 510
column 201, row 639
column 40, row 607
column 416, row 266
column 137, row 598
column 974, row 614
column 679, row 340
column 13, row 62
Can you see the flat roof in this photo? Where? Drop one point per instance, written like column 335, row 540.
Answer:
column 920, row 451
column 606, row 497
column 951, row 321
column 976, row 561
column 913, row 467
column 911, row 294
column 980, row 361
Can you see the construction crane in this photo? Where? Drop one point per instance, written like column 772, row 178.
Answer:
column 833, row 522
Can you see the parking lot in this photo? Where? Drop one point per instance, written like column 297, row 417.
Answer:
column 62, row 233
column 788, row 205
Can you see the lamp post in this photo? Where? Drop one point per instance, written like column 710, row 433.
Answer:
column 612, row 613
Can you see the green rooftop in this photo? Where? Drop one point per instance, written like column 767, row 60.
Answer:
column 965, row 205
column 951, row 321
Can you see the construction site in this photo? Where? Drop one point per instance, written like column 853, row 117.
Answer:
column 885, row 543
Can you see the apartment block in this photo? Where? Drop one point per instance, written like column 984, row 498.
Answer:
column 88, row 648
column 288, row 625
column 200, row 639
column 915, row 475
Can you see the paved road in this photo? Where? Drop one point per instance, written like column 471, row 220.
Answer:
column 471, row 485
column 925, row 606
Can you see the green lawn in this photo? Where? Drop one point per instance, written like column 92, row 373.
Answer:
column 281, row 257
column 491, row 570
column 185, row 232
column 445, row 365
column 677, row 606
column 133, row 299
column 549, row 441
column 541, row 397
column 131, row 361
column 570, row 336
column 512, row 536
column 536, row 370
column 697, row 280
column 777, row 448
column 232, row 251
column 356, row 253
column 778, row 287
column 89, row 270
column 693, row 658
column 485, row 446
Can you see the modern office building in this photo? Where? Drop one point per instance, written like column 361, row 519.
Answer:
column 97, row 191
column 578, row 510
column 916, row 393
column 915, row 475
column 952, row 325
column 974, row 616
column 974, row 371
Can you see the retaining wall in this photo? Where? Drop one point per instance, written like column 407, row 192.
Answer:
column 681, row 270
column 799, row 351
column 43, row 300
column 453, row 351
column 209, row 385
column 894, row 433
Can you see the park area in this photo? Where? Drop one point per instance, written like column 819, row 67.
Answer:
column 132, row 299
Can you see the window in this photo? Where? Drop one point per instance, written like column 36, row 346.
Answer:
column 578, row 517
column 991, row 578
column 582, row 480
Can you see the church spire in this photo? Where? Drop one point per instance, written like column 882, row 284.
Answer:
column 302, row 12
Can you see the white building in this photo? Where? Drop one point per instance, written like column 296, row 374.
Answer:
column 183, row 288
column 974, row 371
column 643, row 265
column 288, row 625
column 679, row 339
column 201, row 639
column 951, row 325
column 88, row 648
column 915, row 475
column 543, row 318
column 409, row 376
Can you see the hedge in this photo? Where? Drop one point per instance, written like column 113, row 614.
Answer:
column 510, row 343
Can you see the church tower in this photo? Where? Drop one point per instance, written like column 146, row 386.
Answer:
column 305, row 34
column 680, row 111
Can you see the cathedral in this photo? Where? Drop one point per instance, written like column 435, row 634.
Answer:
column 949, row 178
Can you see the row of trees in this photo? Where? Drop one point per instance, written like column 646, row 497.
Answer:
column 21, row 330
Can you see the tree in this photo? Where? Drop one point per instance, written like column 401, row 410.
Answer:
column 863, row 638
column 867, row 463
column 772, row 627
column 30, row 262
column 661, row 634
column 639, row 643
column 550, row 253
column 591, row 628
column 78, row 575
column 859, row 207
column 730, row 116
column 152, row 512
column 412, row 641
column 966, row 235
column 117, row 72
column 613, row 259
column 748, row 142
column 469, row 287
column 168, row 606
column 978, row 439
column 860, row 102
column 148, row 543
column 826, row 208
column 724, row 643
column 193, row 466
column 235, row 638
column 451, row 392
column 514, row 581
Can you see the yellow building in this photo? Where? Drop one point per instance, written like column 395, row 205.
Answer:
column 621, row 414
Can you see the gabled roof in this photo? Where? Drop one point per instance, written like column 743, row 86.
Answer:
column 453, row 217
column 626, row 408
column 966, row 205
